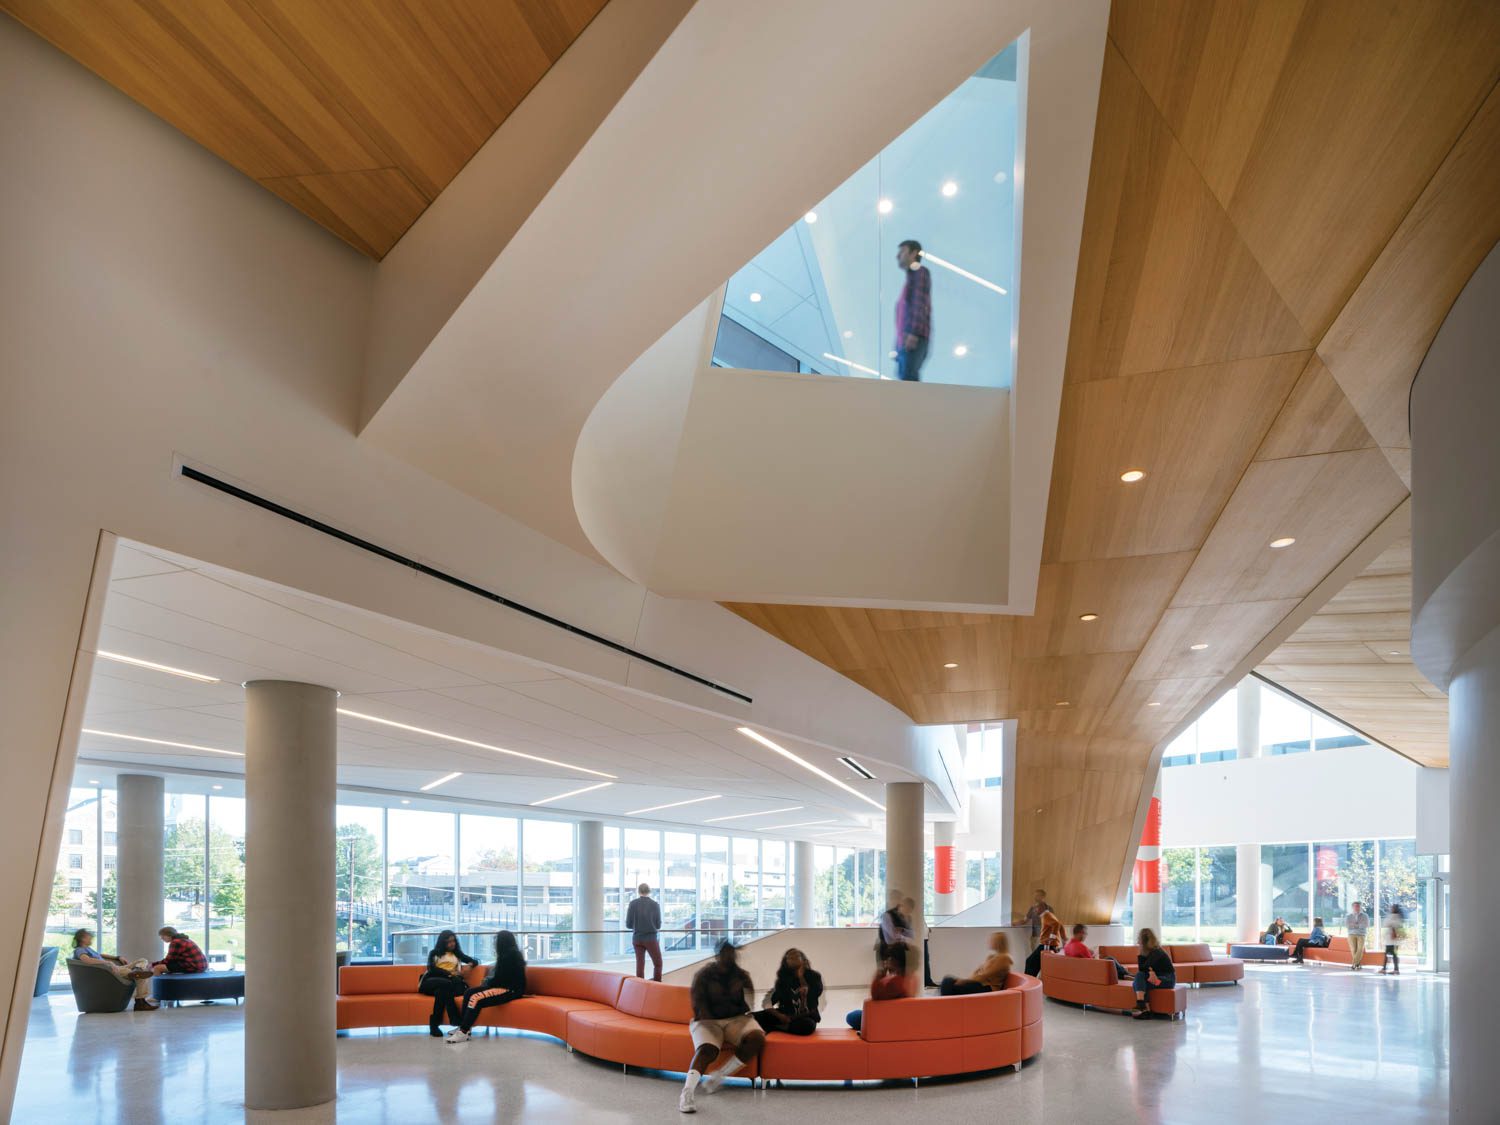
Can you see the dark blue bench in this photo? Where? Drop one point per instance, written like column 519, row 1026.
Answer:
column 174, row 988
column 1259, row 952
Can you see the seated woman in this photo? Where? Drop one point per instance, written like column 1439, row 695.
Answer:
column 1078, row 947
column 1276, row 933
column 1154, row 970
column 989, row 977
column 443, row 980
column 792, row 1005
column 891, row 983
column 506, row 982
column 137, row 971
column 1049, row 940
column 1318, row 939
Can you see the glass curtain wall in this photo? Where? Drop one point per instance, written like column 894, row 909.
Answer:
column 185, row 867
column 360, row 880
column 1286, row 727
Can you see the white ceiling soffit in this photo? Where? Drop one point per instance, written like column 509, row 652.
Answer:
column 745, row 115
column 166, row 615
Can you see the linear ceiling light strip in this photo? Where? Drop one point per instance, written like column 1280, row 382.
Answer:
column 805, row 764
column 471, row 742
column 431, row 572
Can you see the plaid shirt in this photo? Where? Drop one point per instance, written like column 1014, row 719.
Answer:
column 914, row 308
column 184, row 956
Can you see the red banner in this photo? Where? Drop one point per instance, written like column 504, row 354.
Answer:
column 944, row 869
column 1328, row 865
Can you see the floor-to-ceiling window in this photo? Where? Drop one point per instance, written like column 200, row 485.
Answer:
column 184, row 865
column 679, row 890
column 1290, row 883
column 489, row 862
column 360, row 880
column 713, row 894
column 550, row 854
column 226, row 882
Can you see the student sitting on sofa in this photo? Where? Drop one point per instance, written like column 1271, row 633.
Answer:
column 1154, row 970
column 989, row 977
column 1318, row 939
column 792, row 1005
column 1078, row 947
column 891, row 983
column 443, row 980
column 506, row 982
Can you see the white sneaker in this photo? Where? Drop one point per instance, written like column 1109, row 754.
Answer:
column 685, row 1102
column 713, row 1081
column 456, row 1036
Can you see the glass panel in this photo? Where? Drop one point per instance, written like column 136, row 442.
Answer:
column 679, row 890
column 1218, row 730
column 1216, row 922
column 1178, row 906
column 184, row 885
column 973, row 882
column 1344, row 873
column 226, row 883
column 1329, row 735
column 103, row 901
column 1285, row 726
column 488, row 898
column 75, row 885
column 642, row 859
column 824, row 900
column 1182, row 750
column 1401, row 885
column 773, row 899
column 713, row 907
column 550, row 856
column 615, row 897
column 360, row 880
column 844, row 888
column 823, row 297
column 1287, row 867
column 746, row 887
column 420, row 875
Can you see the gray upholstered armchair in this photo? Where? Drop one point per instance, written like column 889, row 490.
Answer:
column 96, row 989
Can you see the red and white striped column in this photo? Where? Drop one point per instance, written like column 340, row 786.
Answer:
column 1146, row 881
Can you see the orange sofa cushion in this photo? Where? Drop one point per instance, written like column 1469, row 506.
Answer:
column 1189, row 954
column 387, row 1010
column 829, row 1053
column 546, row 1014
column 581, row 984
column 653, row 1000
column 361, row 980
column 1093, row 981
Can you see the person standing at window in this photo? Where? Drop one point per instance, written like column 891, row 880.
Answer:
column 443, row 980
column 1358, row 923
column 643, row 919
column 913, row 312
column 506, row 982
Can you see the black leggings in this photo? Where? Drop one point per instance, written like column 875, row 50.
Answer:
column 772, row 1020
column 952, row 986
column 1392, row 956
column 445, row 992
column 471, row 1010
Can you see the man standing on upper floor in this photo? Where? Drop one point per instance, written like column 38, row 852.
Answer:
column 643, row 917
column 1358, row 923
column 913, row 312
column 1039, row 906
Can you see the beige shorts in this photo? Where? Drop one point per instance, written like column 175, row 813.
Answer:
column 717, row 1033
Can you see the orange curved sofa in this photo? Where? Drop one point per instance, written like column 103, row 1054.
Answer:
column 1195, row 963
column 1337, row 951
column 644, row 1023
column 1092, row 982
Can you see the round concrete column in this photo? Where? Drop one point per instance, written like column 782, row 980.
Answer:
column 805, row 876
column 1249, row 909
column 904, row 806
column 1455, row 476
column 947, row 870
column 590, row 912
column 290, row 797
column 138, row 865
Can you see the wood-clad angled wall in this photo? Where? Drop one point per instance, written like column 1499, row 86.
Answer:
column 356, row 114
column 1259, row 171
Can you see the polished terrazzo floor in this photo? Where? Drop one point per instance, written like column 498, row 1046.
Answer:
column 1289, row 1045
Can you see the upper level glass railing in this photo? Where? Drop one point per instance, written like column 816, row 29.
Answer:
column 410, row 946
column 837, row 294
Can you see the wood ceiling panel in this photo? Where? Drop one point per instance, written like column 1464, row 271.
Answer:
column 1193, row 432
column 918, row 656
column 1275, row 108
column 1163, row 281
column 1141, row 702
column 1374, row 593
column 394, row 95
column 1134, row 590
column 1327, row 502
column 1317, row 418
column 1077, row 681
column 1379, row 338
column 1229, row 631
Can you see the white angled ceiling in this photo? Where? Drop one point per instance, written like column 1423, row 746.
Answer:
column 189, row 615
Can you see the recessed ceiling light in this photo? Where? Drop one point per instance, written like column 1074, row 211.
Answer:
column 961, row 350
column 1088, row 617
column 572, row 793
column 167, row 668
column 1154, row 703
column 1063, row 703
column 676, row 804
column 93, row 781
column 1278, row 544
column 471, row 742
column 755, row 298
column 1394, row 652
column 218, row 787
column 1130, row 476
column 950, row 664
column 950, row 189
column 929, row 256
column 163, row 742
column 406, row 800
column 848, row 333
column 756, row 736
column 810, row 217
column 447, row 777
column 1001, row 177
column 885, row 206
column 763, row 812
column 1199, row 647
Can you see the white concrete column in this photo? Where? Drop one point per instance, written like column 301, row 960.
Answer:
column 140, row 883
column 1249, row 909
column 290, row 796
column 946, row 856
column 904, row 859
column 589, row 912
column 806, row 877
